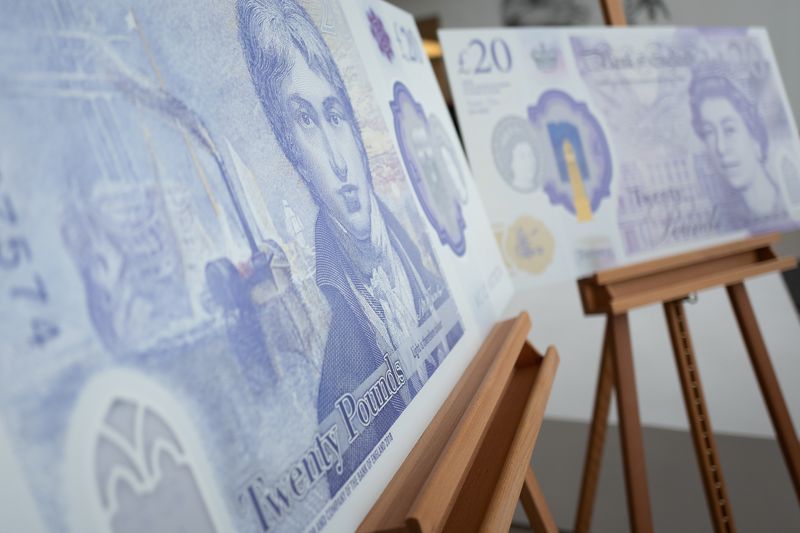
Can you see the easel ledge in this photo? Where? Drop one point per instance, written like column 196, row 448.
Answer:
column 620, row 289
column 471, row 465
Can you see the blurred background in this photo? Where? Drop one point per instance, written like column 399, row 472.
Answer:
column 758, row 483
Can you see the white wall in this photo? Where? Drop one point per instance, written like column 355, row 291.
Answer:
column 734, row 400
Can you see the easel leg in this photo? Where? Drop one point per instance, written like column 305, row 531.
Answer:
column 702, row 435
column 630, row 427
column 767, row 381
column 597, row 436
column 535, row 505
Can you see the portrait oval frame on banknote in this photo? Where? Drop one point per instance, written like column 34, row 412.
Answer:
column 438, row 196
column 510, row 134
column 579, row 186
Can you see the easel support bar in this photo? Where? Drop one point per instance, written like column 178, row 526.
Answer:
column 705, row 445
column 768, row 382
column 597, row 436
column 535, row 506
column 630, row 427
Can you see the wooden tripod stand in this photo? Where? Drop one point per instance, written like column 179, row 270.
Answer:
column 669, row 281
column 472, row 463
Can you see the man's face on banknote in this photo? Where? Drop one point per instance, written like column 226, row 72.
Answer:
column 330, row 157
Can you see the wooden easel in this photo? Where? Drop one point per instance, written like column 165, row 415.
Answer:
column 472, row 463
column 669, row 281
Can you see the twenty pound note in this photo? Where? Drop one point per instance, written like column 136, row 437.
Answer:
column 224, row 303
column 599, row 147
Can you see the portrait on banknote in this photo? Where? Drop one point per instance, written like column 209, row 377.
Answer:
column 737, row 144
column 220, row 294
column 515, row 150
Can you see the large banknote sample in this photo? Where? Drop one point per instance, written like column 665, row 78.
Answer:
column 224, row 303
column 596, row 147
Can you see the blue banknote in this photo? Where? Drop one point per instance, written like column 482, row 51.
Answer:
column 218, row 295
column 597, row 147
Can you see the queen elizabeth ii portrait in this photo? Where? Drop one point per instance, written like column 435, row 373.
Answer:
column 737, row 144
